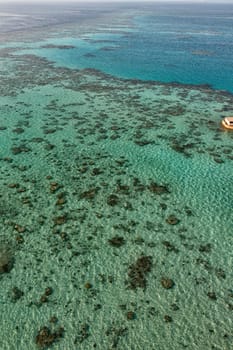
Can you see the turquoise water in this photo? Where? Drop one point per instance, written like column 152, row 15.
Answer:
column 190, row 44
column 116, row 204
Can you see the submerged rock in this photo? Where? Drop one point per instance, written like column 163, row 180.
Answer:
column 167, row 283
column 172, row 220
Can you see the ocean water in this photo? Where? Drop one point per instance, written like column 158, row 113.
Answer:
column 189, row 44
column 116, row 204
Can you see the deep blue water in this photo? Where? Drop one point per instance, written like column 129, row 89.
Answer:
column 185, row 43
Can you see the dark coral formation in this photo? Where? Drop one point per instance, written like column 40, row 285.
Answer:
column 137, row 272
column 158, row 189
column 6, row 258
column 167, row 283
column 113, row 200
column 130, row 315
column 46, row 338
column 83, row 333
column 116, row 241
column 172, row 220
column 16, row 294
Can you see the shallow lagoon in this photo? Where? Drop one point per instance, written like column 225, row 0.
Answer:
column 116, row 225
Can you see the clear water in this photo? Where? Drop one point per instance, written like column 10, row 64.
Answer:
column 99, row 170
column 190, row 44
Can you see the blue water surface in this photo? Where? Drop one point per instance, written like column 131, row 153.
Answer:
column 184, row 43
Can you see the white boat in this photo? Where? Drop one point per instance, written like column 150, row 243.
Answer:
column 227, row 123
